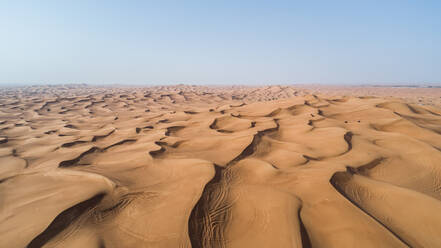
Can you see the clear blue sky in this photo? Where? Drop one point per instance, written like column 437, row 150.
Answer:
column 220, row 42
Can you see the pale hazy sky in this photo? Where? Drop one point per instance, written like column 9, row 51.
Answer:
column 220, row 42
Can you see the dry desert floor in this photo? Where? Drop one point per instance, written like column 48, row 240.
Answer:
column 194, row 166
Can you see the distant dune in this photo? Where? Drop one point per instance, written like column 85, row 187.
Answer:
column 195, row 166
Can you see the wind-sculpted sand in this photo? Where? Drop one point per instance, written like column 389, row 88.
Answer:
column 192, row 166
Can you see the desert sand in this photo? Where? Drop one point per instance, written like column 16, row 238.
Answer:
column 194, row 166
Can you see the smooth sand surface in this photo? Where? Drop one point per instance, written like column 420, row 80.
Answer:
column 194, row 166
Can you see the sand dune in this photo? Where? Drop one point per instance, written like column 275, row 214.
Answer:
column 194, row 166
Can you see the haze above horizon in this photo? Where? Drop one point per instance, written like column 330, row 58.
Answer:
column 227, row 42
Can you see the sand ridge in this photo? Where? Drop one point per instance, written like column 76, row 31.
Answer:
column 194, row 166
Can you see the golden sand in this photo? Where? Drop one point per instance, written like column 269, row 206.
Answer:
column 193, row 166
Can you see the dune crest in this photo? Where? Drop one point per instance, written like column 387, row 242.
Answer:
column 194, row 166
